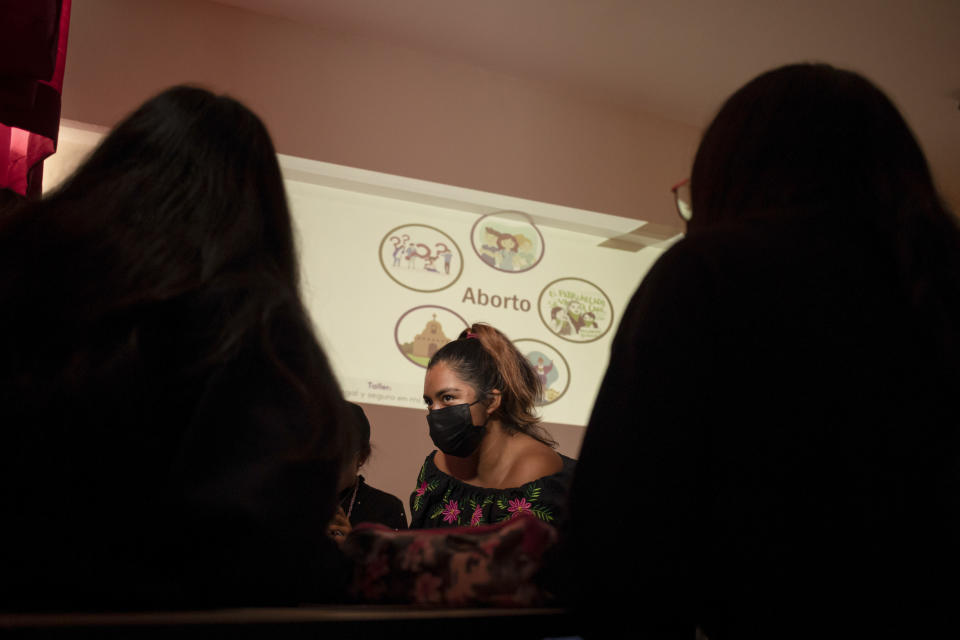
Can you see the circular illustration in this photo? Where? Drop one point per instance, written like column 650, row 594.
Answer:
column 507, row 241
column 550, row 366
column 575, row 310
column 421, row 331
column 421, row 258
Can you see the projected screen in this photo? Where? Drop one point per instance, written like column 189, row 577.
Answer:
column 389, row 281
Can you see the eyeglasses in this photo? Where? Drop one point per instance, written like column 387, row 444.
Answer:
column 681, row 195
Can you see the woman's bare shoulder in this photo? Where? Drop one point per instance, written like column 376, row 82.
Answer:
column 534, row 460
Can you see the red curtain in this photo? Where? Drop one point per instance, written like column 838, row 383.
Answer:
column 33, row 50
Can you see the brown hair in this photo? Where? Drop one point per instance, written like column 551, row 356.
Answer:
column 485, row 359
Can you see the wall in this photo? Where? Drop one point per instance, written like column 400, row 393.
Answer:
column 375, row 106
column 371, row 105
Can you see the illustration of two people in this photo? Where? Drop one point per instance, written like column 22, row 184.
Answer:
column 506, row 251
column 569, row 320
column 402, row 250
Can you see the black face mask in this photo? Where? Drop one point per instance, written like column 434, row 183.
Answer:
column 453, row 431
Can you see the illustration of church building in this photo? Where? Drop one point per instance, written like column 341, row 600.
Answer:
column 426, row 343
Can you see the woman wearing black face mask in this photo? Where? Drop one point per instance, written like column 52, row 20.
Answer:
column 494, row 461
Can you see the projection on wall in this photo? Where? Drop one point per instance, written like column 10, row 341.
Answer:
column 396, row 268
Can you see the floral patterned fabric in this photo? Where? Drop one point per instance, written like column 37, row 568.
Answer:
column 441, row 500
column 495, row 565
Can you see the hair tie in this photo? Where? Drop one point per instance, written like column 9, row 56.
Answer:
column 470, row 334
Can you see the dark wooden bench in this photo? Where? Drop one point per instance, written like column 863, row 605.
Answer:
column 355, row 621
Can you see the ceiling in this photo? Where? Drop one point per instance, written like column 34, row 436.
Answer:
column 680, row 59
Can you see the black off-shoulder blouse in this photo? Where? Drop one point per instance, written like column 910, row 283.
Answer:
column 441, row 500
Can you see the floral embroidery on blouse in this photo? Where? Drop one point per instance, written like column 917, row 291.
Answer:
column 441, row 500
column 423, row 489
column 519, row 505
column 477, row 516
column 478, row 504
column 451, row 512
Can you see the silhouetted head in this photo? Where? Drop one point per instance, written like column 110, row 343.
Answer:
column 184, row 197
column 811, row 139
column 802, row 136
column 186, row 187
column 361, row 433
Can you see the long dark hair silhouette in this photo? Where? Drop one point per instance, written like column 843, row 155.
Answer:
column 155, row 351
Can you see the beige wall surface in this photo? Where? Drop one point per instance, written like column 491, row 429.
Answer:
column 376, row 106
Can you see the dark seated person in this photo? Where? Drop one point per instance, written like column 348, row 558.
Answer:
column 359, row 502
column 781, row 393
column 170, row 429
